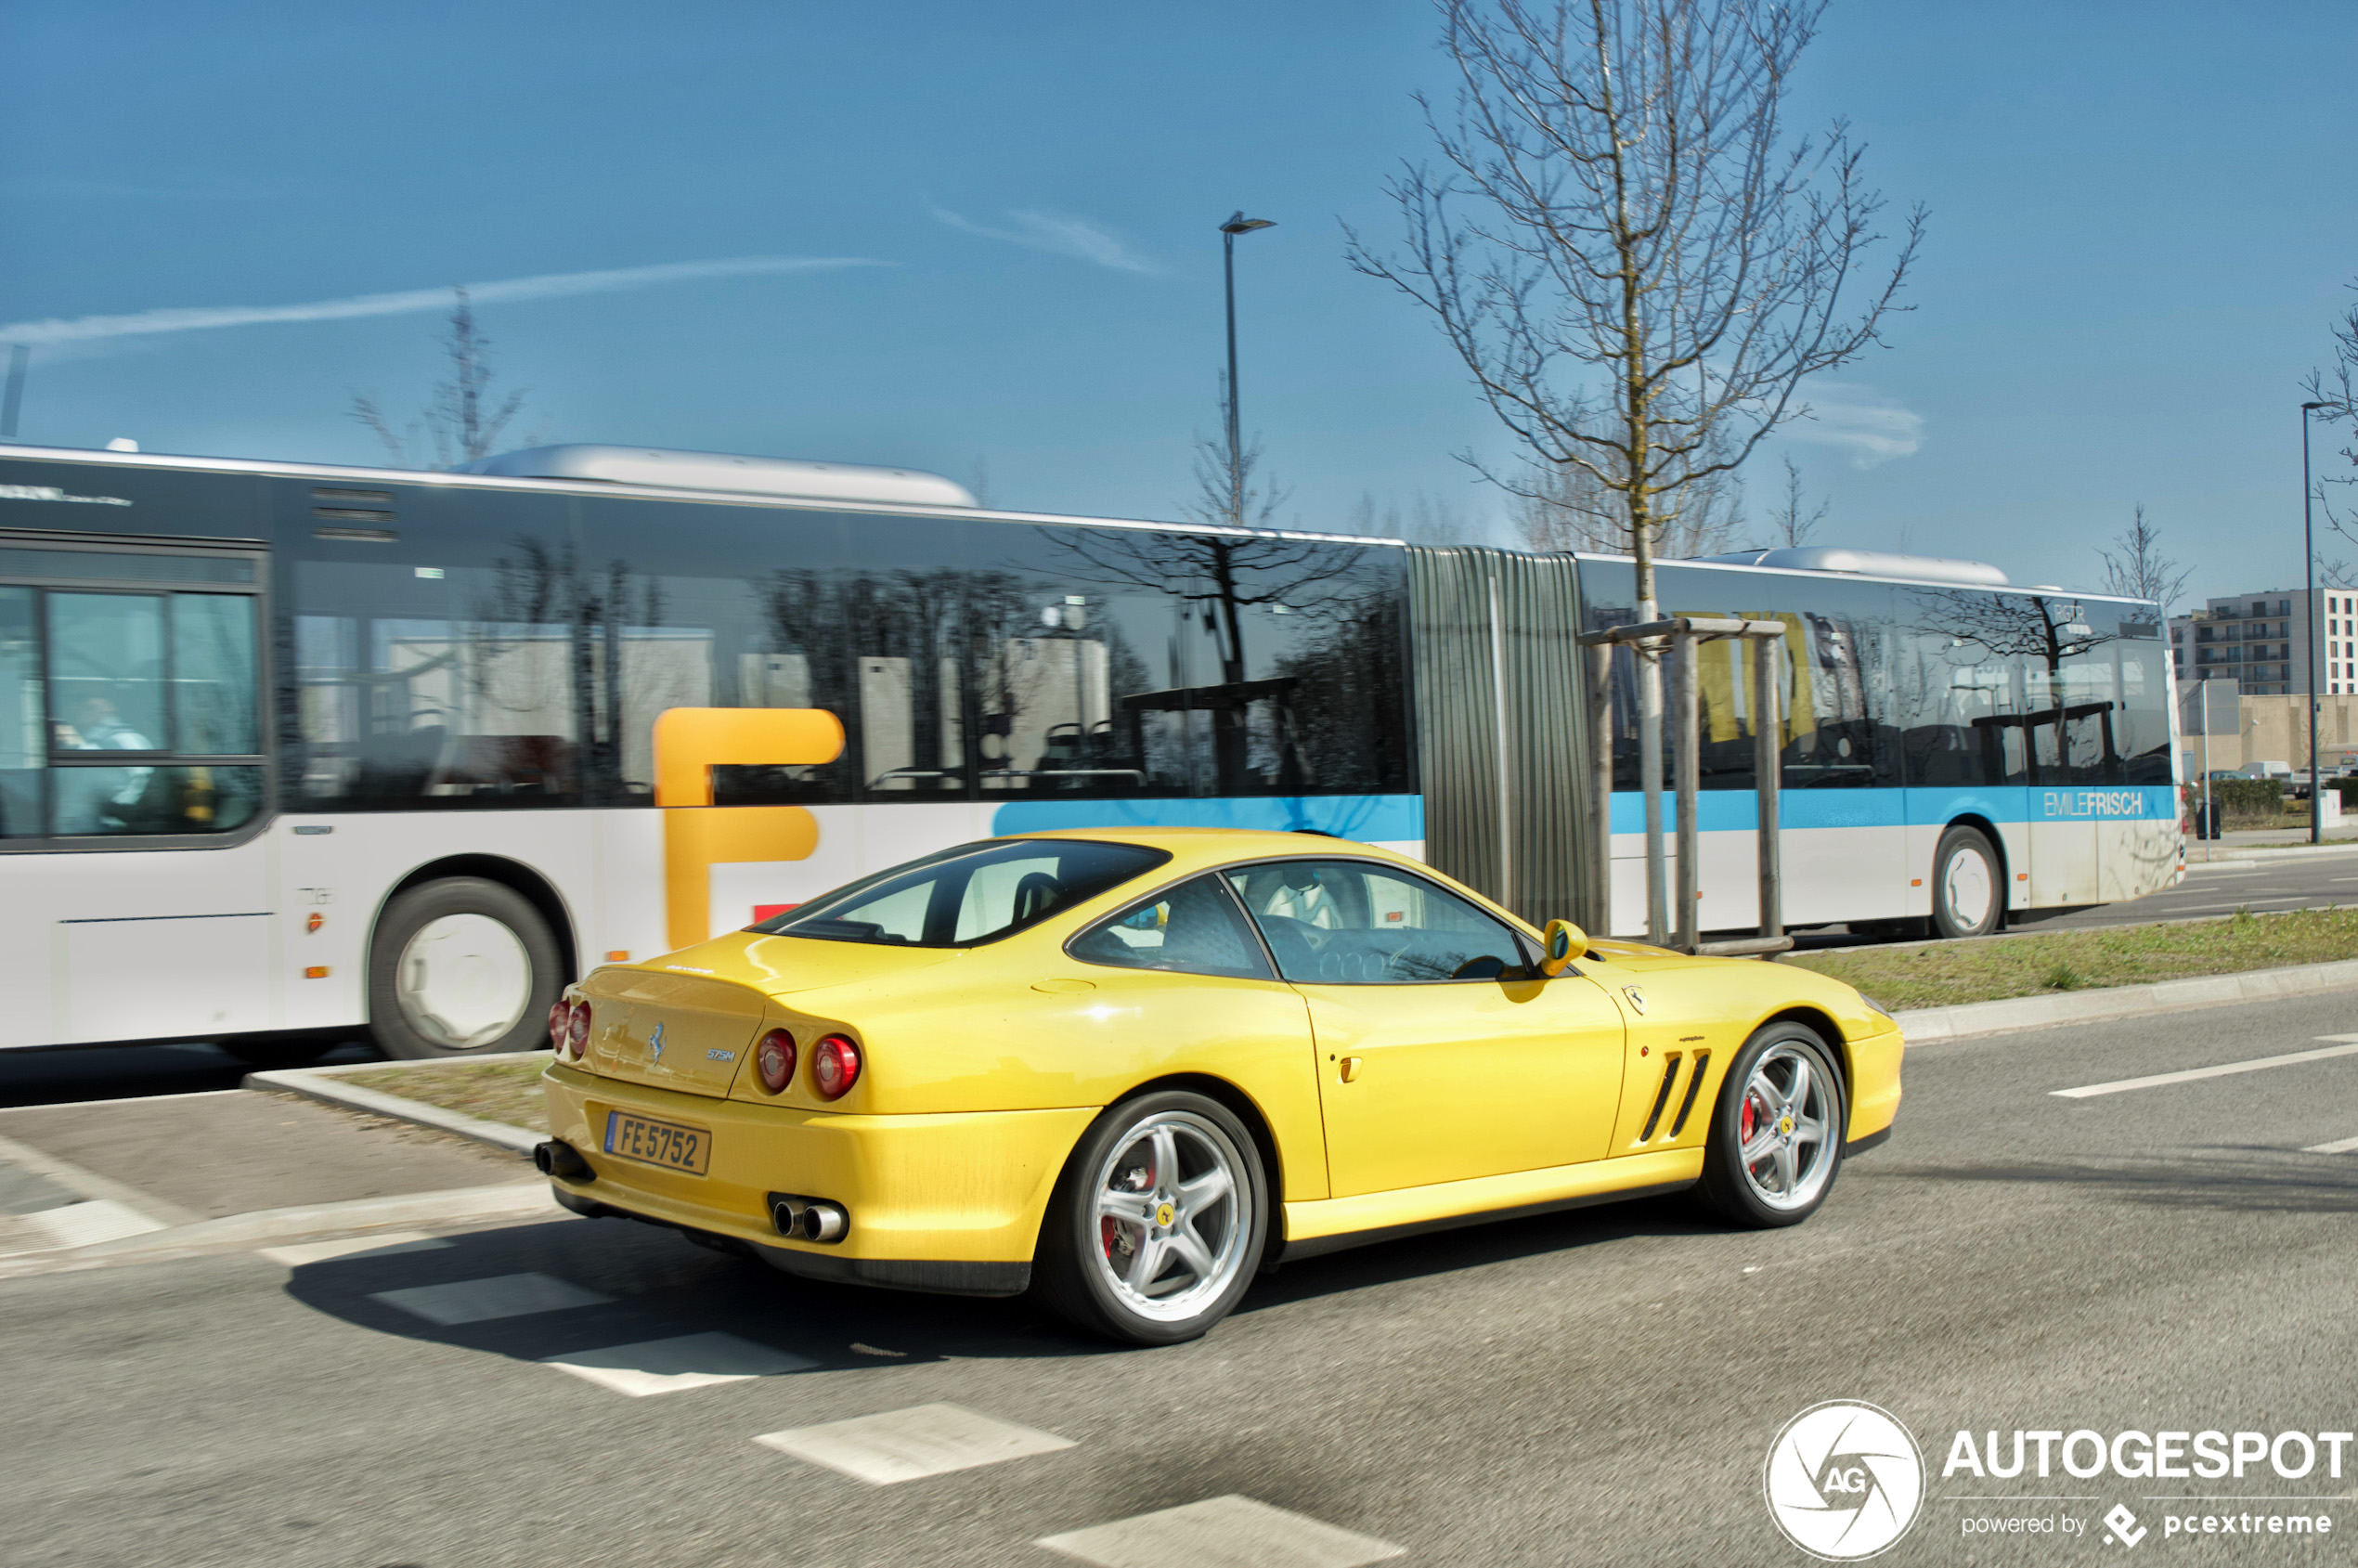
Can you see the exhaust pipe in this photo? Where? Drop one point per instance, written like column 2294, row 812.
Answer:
column 808, row 1219
column 561, row 1159
column 825, row 1222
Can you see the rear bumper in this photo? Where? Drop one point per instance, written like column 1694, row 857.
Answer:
column 937, row 1202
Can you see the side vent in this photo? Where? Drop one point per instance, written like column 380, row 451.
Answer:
column 365, row 516
column 1695, row 1084
column 1661, row 1098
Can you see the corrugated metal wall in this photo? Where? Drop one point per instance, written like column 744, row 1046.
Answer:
column 1474, row 614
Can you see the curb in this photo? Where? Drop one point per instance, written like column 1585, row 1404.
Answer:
column 1925, row 1025
column 319, row 1084
column 508, row 1200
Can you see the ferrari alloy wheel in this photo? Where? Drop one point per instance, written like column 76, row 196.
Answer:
column 1158, row 1223
column 1776, row 1130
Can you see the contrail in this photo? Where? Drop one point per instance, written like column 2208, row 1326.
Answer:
column 554, row 285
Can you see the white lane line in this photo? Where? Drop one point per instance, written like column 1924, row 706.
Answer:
column 2347, row 1145
column 2349, row 1046
column 477, row 1300
column 911, row 1445
column 99, row 1219
column 389, row 1243
column 1221, row 1530
column 668, row 1366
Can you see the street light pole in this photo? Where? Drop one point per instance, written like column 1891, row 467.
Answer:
column 1237, row 223
column 2309, row 583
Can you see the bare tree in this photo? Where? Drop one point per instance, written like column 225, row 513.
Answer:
column 2135, row 567
column 2335, row 391
column 1635, row 261
column 1567, row 508
column 1647, row 266
column 464, row 417
column 1791, row 527
column 1422, row 519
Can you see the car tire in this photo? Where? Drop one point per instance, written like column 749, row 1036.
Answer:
column 1760, row 1169
column 463, row 966
column 1156, row 1228
column 1968, row 884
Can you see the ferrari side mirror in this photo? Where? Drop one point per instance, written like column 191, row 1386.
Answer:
column 1564, row 941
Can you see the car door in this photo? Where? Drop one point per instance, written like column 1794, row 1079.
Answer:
column 1441, row 1056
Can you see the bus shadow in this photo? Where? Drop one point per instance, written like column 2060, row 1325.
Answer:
column 2237, row 1178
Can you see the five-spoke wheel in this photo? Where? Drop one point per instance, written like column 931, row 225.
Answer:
column 1158, row 1223
column 1777, row 1130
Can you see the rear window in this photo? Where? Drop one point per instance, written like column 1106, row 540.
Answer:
column 962, row 897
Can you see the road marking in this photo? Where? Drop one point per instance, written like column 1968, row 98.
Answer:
column 477, row 1300
column 2347, row 1145
column 669, row 1366
column 391, row 1241
column 911, row 1445
column 1220, row 1530
column 2349, row 1046
column 99, row 1219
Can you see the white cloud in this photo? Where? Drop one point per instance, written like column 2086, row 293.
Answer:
column 1859, row 421
column 554, row 285
column 1058, row 233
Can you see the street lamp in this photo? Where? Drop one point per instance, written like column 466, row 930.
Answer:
column 2308, row 584
column 1237, row 223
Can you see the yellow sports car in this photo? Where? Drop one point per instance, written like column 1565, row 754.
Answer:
column 1129, row 1070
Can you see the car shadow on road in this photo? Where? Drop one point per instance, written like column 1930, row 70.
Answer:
column 1480, row 1245
column 657, row 1287
column 2246, row 1178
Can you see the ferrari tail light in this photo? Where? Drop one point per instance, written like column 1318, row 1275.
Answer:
column 835, row 1066
column 559, row 1020
column 577, row 1028
column 773, row 1058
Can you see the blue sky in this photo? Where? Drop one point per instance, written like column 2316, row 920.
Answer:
column 1001, row 225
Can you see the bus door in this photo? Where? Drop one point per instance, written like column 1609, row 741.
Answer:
column 133, row 787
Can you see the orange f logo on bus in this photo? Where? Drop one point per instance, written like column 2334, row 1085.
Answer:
column 690, row 742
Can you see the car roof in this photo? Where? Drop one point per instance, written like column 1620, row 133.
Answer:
column 1199, row 848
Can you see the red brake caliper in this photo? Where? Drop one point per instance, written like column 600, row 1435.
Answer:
column 1744, row 1122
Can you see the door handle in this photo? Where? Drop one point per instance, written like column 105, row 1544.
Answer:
column 1351, row 1069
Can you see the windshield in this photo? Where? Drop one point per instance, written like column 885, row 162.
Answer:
column 973, row 894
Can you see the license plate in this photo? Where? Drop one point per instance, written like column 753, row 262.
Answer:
column 659, row 1143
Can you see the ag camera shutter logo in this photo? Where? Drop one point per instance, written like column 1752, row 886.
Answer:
column 1844, row 1480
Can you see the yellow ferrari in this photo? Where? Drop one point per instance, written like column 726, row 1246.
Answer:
column 1129, row 1070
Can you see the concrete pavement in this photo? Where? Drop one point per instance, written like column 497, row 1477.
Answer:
column 1598, row 1386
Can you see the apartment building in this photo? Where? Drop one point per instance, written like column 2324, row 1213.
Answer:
column 2261, row 640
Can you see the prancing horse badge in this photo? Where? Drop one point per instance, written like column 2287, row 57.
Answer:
column 1636, row 997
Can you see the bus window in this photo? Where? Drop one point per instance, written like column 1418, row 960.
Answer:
column 24, row 749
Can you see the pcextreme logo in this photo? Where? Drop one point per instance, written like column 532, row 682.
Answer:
column 1844, row 1480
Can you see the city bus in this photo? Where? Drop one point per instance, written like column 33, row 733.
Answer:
column 294, row 751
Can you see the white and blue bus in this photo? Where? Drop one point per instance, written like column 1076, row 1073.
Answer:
column 288, row 751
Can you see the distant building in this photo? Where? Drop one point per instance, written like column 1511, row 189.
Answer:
column 2261, row 640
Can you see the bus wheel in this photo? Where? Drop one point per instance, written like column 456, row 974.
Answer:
column 461, row 967
column 1968, row 891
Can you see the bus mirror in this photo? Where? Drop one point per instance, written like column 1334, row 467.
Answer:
column 1565, row 941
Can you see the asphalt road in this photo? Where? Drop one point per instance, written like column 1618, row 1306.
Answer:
column 2311, row 880
column 1602, row 1386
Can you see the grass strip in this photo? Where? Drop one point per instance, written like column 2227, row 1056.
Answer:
column 1993, row 969
column 508, row 1092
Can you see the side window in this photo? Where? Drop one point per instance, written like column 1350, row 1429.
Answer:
column 1191, row 930
column 129, row 695
column 1353, row 923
